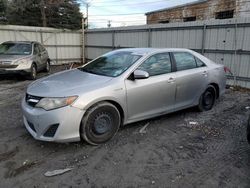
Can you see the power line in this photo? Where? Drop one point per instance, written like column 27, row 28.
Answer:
column 199, row 8
column 130, row 4
column 117, row 14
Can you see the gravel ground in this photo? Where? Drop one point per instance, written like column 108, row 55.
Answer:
column 182, row 149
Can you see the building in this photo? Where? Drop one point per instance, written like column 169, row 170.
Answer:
column 201, row 10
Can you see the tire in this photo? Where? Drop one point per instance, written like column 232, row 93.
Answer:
column 47, row 68
column 207, row 99
column 33, row 72
column 100, row 123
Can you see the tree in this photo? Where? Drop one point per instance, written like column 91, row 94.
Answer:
column 3, row 11
column 24, row 12
column 52, row 13
column 64, row 14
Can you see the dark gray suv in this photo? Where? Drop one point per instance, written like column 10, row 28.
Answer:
column 23, row 57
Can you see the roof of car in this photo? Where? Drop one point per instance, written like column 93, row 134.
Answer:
column 152, row 50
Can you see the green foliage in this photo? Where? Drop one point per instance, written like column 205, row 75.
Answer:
column 3, row 11
column 51, row 13
column 65, row 14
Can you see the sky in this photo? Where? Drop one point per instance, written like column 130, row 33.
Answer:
column 123, row 12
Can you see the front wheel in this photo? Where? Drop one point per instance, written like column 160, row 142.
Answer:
column 33, row 72
column 100, row 123
column 207, row 99
column 47, row 68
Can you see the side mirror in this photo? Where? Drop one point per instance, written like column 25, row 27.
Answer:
column 140, row 74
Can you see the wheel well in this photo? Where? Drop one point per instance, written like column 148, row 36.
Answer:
column 34, row 64
column 216, row 86
column 118, row 106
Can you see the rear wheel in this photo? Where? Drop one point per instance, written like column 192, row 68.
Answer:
column 207, row 99
column 100, row 123
column 33, row 72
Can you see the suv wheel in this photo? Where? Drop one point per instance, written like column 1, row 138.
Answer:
column 33, row 72
column 47, row 68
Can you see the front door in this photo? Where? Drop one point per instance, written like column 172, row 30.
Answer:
column 154, row 95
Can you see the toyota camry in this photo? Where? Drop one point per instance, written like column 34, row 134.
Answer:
column 123, row 86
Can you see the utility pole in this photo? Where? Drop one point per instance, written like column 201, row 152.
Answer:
column 83, row 40
column 42, row 8
column 87, row 12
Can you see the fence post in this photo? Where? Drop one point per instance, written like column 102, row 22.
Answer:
column 235, row 52
column 15, row 35
column 203, row 39
column 149, row 37
column 113, row 39
column 41, row 36
column 56, row 48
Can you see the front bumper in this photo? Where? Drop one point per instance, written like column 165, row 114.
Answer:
column 63, row 124
column 13, row 71
column 21, row 69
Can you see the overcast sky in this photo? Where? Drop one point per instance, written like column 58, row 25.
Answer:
column 124, row 12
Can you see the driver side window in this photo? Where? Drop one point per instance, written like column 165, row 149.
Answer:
column 157, row 64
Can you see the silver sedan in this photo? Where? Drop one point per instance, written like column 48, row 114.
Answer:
column 117, row 88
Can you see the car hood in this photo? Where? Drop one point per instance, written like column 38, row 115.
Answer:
column 67, row 83
column 12, row 57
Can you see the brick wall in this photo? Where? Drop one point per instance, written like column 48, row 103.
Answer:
column 200, row 11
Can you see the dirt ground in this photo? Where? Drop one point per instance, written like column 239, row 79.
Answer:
column 182, row 149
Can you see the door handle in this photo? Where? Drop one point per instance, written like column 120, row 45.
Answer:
column 171, row 80
column 204, row 73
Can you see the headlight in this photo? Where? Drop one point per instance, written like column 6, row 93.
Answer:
column 21, row 61
column 53, row 103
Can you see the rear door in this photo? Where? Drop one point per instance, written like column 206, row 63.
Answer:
column 154, row 95
column 37, row 56
column 191, row 79
column 43, row 54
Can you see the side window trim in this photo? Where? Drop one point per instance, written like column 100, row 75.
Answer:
column 196, row 58
column 171, row 62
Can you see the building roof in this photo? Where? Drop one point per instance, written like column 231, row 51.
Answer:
column 178, row 6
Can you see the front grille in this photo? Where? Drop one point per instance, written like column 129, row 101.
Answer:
column 7, row 66
column 51, row 131
column 32, row 100
column 31, row 125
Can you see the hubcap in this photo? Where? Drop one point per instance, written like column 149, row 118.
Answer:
column 102, row 124
column 208, row 98
column 34, row 71
column 47, row 66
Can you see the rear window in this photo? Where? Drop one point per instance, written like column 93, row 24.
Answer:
column 184, row 61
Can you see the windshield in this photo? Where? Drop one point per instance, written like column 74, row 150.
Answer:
column 15, row 49
column 111, row 64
